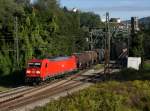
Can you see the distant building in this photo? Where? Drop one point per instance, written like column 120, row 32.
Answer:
column 75, row 10
column 115, row 20
column 103, row 19
column 118, row 20
column 122, row 26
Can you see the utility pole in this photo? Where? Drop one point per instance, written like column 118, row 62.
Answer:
column 128, row 31
column 91, row 39
column 107, row 44
column 91, row 44
column 16, row 43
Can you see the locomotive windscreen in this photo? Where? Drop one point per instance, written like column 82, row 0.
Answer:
column 34, row 64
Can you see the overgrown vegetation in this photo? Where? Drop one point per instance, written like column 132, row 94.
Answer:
column 128, row 90
column 145, row 28
column 136, row 42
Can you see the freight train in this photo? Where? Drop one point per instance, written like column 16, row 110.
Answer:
column 43, row 69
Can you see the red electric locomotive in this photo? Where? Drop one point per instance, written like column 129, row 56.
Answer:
column 41, row 70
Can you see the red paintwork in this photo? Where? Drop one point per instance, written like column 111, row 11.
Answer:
column 53, row 68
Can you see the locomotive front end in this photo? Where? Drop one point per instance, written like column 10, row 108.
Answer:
column 33, row 71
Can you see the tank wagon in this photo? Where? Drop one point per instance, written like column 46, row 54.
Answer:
column 93, row 56
column 83, row 60
column 100, row 53
column 86, row 59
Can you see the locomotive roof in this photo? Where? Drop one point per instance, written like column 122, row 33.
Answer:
column 59, row 58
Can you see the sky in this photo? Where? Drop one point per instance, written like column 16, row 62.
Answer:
column 123, row 9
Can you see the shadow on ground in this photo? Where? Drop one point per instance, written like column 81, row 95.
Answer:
column 13, row 80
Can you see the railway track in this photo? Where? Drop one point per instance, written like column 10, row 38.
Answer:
column 17, row 98
column 14, row 90
column 44, row 94
column 11, row 90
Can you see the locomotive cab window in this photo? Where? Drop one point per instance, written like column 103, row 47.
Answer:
column 34, row 64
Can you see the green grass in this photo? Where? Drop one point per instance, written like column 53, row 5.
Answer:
column 147, row 65
column 128, row 90
column 98, row 66
column 3, row 88
column 107, row 96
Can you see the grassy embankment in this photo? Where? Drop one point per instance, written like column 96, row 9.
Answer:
column 128, row 90
column 3, row 88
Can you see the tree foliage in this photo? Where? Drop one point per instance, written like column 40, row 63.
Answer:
column 146, row 40
column 136, row 49
column 43, row 29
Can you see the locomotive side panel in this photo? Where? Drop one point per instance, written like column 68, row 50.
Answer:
column 57, row 67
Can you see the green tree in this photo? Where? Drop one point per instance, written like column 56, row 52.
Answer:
column 89, row 19
column 137, row 45
column 44, row 29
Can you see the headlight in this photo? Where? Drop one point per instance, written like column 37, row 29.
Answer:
column 28, row 71
column 38, row 72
